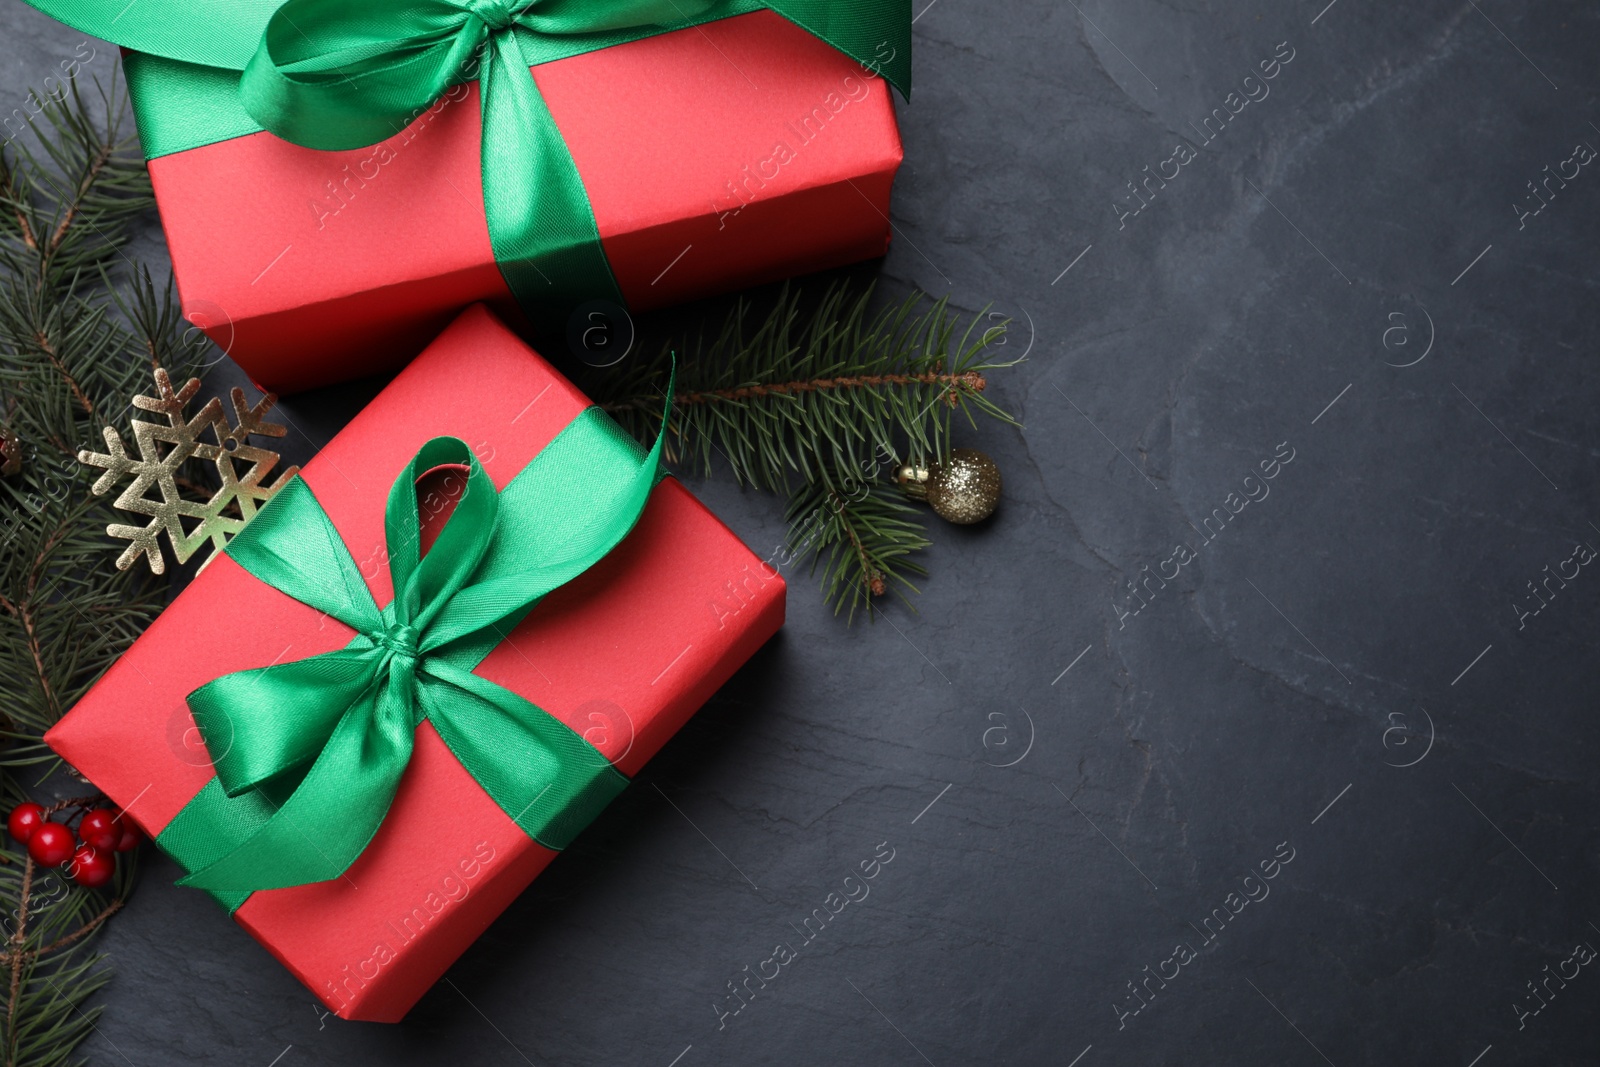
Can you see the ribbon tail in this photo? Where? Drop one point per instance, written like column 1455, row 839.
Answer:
column 550, row 781
column 541, row 225
column 326, row 823
column 212, row 825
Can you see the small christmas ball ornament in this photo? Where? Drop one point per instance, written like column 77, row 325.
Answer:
column 100, row 830
column 52, row 844
column 24, row 820
column 963, row 489
column 92, row 867
column 10, row 453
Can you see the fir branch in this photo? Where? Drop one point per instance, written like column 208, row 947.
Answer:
column 860, row 539
column 821, row 401
column 971, row 381
column 79, row 331
column 787, row 399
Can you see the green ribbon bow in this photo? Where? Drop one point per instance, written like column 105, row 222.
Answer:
column 343, row 74
column 308, row 754
column 332, row 74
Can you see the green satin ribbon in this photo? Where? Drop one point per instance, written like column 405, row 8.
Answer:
column 343, row 74
column 308, row 754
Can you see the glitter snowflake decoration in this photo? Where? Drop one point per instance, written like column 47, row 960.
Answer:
column 162, row 451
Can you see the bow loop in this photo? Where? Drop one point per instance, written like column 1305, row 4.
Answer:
column 339, row 74
column 424, row 584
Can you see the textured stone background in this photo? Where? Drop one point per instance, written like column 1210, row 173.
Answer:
column 1358, row 617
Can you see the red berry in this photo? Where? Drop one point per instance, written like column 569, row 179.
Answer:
column 92, row 867
column 51, row 844
column 99, row 829
column 130, row 836
column 24, row 820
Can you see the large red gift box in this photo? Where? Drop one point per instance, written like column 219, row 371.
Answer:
column 716, row 157
column 623, row 655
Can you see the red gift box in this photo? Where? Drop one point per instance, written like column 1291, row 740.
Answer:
column 623, row 655
column 716, row 157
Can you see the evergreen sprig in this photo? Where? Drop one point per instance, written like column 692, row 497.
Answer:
column 859, row 539
column 80, row 330
column 821, row 401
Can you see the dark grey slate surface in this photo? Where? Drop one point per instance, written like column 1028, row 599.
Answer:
column 1341, row 674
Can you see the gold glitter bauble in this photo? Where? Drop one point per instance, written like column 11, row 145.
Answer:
column 962, row 489
column 10, row 453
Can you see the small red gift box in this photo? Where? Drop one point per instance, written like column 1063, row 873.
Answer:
column 623, row 655
column 717, row 157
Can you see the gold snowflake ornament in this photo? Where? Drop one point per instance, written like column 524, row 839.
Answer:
column 162, row 451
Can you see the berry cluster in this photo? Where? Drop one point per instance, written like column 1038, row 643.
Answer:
column 89, row 853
